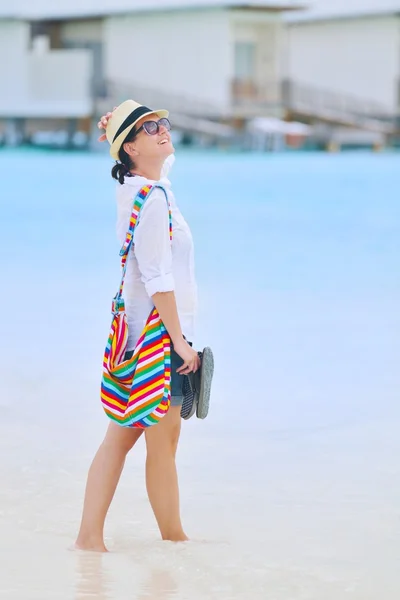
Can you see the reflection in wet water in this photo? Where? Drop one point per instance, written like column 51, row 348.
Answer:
column 95, row 579
column 159, row 586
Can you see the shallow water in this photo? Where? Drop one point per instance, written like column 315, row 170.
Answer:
column 290, row 489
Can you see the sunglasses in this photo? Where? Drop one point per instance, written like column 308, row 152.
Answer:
column 153, row 127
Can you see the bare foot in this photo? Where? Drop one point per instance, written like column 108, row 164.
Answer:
column 89, row 545
column 180, row 537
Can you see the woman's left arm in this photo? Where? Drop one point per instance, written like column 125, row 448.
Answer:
column 154, row 255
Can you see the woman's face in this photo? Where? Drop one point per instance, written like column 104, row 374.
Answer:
column 148, row 146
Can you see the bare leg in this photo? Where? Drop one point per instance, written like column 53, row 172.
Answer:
column 161, row 476
column 102, row 481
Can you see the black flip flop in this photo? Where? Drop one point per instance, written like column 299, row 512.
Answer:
column 197, row 388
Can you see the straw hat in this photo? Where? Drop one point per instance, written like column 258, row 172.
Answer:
column 123, row 120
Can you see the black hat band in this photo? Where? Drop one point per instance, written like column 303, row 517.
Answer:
column 134, row 116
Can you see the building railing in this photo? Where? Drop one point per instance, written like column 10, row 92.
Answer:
column 247, row 93
column 247, row 99
column 292, row 95
column 305, row 97
column 309, row 102
column 177, row 103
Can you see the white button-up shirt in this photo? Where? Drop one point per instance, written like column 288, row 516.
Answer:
column 154, row 264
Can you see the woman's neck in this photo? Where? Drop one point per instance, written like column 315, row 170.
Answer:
column 150, row 171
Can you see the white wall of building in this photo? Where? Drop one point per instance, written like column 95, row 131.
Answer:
column 184, row 53
column 39, row 82
column 359, row 57
column 14, row 40
column 193, row 54
column 59, row 83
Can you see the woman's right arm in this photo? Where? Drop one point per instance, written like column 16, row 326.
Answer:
column 165, row 303
column 154, row 255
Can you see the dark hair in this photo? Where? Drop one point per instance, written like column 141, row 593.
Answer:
column 122, row 168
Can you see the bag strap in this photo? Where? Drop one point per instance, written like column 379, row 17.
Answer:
column 118, row 304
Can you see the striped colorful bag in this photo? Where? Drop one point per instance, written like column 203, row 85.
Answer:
column 136, row 392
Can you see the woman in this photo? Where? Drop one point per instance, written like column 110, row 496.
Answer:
column 160, row 274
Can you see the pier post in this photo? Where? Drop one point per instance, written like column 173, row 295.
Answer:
column 14, row 132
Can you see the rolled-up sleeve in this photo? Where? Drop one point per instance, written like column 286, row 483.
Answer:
column 153, row 246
